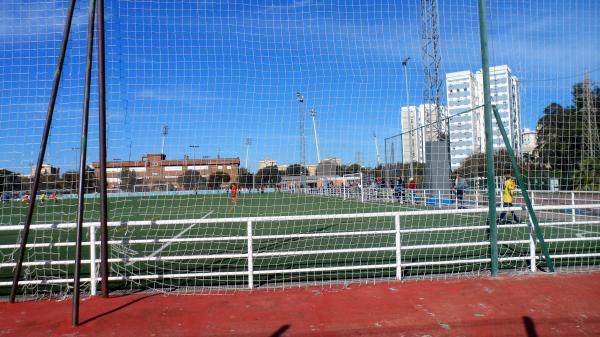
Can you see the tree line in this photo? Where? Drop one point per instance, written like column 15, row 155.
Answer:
column 564, row 149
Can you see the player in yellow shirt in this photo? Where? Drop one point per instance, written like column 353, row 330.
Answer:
column 507, row 197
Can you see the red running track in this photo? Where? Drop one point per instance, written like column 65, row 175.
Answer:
column 542, row 305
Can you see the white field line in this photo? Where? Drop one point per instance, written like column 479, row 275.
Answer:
column 164, row 246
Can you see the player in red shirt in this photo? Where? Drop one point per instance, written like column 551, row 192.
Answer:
column 26, row 198
column 233, row 193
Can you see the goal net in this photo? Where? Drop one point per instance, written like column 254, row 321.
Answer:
column 220, row 113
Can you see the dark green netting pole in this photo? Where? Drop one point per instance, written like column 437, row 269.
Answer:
column 489, row 140
column 521, row 182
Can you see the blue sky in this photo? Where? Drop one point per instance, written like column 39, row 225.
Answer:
column 219, row 72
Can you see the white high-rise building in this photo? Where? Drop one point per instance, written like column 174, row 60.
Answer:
column 464, row 90
column 414, row 119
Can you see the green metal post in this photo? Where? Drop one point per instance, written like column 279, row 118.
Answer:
column 489, row 140
column 521, row 182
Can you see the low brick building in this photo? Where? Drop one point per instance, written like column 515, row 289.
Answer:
column 155, row 173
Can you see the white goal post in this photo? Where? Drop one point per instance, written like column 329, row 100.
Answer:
column 354, row 185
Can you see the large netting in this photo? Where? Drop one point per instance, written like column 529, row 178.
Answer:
column 287, row 105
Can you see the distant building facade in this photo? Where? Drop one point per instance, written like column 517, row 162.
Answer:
column 415, row 128
column 154, row 172
column 328, row 167
column 266, row 163
column 529, row 141
column 47, row 169
column 464, row 90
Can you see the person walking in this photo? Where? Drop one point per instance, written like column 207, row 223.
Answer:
column 507, row 199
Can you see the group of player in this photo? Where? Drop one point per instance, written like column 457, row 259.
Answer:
column 43, row 197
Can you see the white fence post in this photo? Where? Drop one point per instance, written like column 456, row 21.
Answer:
column 440, row 198
column 398, row 246
column 93, row 277
column 573, row 209
column 532, row 247
column 250, row 257
column 476, row 198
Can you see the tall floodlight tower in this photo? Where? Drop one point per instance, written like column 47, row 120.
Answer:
column 313, row 115
column 410, row 126
column 432, row 59
column 165, row 131
column 300, row 99
column 435, row 136
column 591, row 139
column 248, row 143
column 377, row 148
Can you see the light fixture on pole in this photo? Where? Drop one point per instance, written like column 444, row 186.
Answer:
column 248, row 143
column 300, row 99
column 410, row 126
column 164, row 132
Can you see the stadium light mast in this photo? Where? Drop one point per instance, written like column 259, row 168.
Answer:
column 165, row 131
column 194, row 147
column 377, row 148
column 248, row 143
column 410, row 126
column 300, row 99
column 313, row 115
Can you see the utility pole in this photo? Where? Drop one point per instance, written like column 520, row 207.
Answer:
column 313, row 115
column 165, row 131
column 300, row 99
column 410, row 126
column 377, row 148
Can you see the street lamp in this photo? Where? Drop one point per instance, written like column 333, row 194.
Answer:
column 76, row 150
column 410, row 126
column 194, row 147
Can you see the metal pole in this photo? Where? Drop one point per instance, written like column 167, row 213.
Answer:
column 532, row 216
column 410, row 146
column 40, row 161
column 377, row 149
column 102, row 154
column 300, row 98
column 82, row 161
column 489, row 140
column 313, row 114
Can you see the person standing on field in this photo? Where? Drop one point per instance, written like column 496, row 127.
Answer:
column 412, row 186
column 507, row 198
column 460, row 185
column 234, row 193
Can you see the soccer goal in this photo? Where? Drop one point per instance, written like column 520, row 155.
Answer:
column 289, row 103
column 353, row 186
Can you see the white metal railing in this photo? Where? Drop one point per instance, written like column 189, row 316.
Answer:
column 250, row 254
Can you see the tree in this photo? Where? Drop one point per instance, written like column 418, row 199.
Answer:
column 267, row 176
column 50, row 182
column 587, row 175
column 475, row 165
column 91, row 183
column 9, row 181
column 563, row 133
column 191, row 180
column 128, row 180
column 70, row 179
column 216, row 179
column 295, row 170
column 245, row 178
